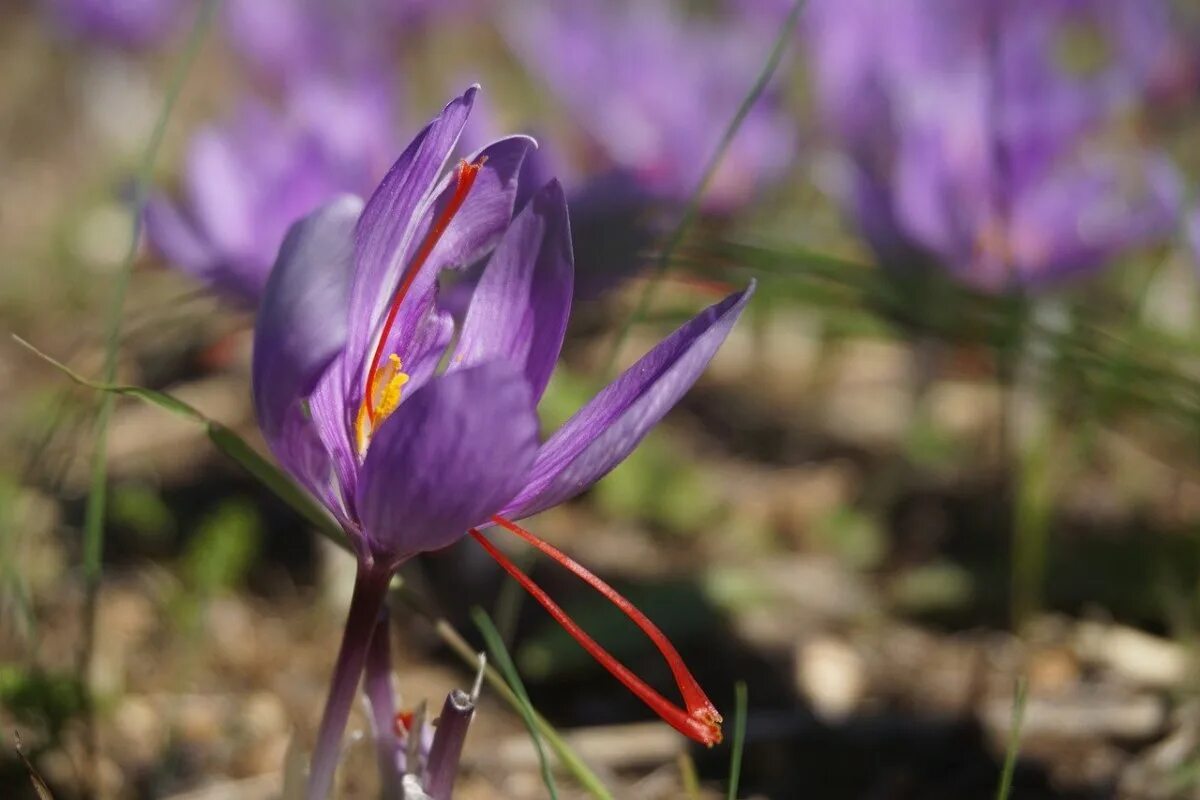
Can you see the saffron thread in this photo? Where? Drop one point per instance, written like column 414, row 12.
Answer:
column 700, row 721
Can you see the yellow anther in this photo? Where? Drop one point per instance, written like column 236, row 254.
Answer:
column 389, row 383
column 386, row 391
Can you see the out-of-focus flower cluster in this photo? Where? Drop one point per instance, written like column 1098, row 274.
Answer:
column 998, row 140
column 647, row 88
column 993, row 137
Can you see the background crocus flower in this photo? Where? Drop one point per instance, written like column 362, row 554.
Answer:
column 654, row 89
column 347, row 346
column 288, row 41
column 246, row 182
column 124, row 23
column 973, row 133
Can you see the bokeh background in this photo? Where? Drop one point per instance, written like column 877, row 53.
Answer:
column 949, row 452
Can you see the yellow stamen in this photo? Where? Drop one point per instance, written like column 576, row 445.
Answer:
column 386, row 388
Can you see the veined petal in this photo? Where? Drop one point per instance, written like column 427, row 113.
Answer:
column 519, row 310
column 331, row 419
column 605, row 431
column 475, row 228
column 389, row 221
column 449, row 457
column 301, row 324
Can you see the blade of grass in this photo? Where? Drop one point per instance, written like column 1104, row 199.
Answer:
column 225, row 440
column 499, row 653
column 1014, row 741
column 688, row 776
column 39, row 786
column 741, row 701
column 93, row 537
column 692, row 208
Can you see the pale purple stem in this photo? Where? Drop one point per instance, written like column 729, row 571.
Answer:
column 377, row 681
column 442, row 765
column 370, row 589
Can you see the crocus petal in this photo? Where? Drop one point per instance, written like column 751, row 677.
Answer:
column 450, row 456
column 387, row 224
column 301, row 324
column 176, row 238
column 609, row 427
column 520, row 308
column 218, row 193
column 475, row 228
column 331, row 419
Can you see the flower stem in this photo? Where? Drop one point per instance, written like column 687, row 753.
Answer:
column 370, row 589
column 377, row 682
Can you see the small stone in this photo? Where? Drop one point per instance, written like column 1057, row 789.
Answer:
column 138, row 727
column 832, row 676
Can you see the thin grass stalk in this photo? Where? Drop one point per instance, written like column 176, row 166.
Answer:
column 93, row 541
column 692, row 208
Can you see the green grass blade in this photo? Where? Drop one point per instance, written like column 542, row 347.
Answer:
column 741, row 695
column 1014, row 741
column 499, row 653
column 688, row 776
column 93, row 530
column 225, row 440
column 94, row 520
column 692, row 208
column 39, row 786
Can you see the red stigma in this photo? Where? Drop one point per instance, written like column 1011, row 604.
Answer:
column 699, row 721
column 466, row 179
column 402, row 724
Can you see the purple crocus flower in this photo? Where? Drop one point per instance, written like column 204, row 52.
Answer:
column 971, row 131
column 132, row 24
column 655, row 89
column 347, row 348
column 246, row 182
column 285, row 41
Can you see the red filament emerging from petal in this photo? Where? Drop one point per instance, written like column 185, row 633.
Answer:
column 699, row 721
column 402, row 723
column 466, row 179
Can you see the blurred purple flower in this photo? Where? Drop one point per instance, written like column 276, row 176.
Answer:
column 655, row 89
column 289, row 41
column 125, row 23
column 972, row 131
column 246, row 182
column 348, row 343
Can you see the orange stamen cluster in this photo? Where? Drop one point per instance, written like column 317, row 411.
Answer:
column 699, row 720
column 374, row 407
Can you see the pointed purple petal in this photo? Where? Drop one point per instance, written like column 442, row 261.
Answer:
column 607, row 429
column 520, row 308
column 475, row 228
column 386, row 228
column 301, row 325
column 449, row 457
column 331, row 419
